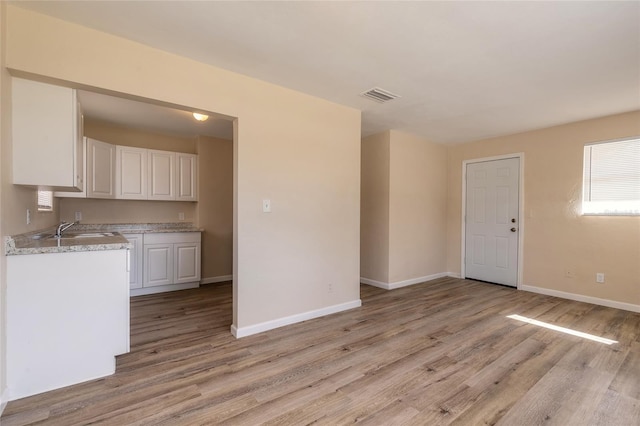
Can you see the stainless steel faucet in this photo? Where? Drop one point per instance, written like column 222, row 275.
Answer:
column 63, row 227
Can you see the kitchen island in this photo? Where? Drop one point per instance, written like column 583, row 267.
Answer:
column 67, row 309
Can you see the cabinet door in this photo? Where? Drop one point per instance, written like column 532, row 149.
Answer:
column 45, row 129
column 158, row 264
column 162, row 168
column 101, row 169
column 135, row 260
column 131, row 173
column 80, row 146
column 187, row 263
column 82, row 194
column 186, row 177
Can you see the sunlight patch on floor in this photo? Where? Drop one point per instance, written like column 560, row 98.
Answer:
column 562, row 329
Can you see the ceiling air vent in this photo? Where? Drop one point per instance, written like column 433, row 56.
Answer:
column 379, row 95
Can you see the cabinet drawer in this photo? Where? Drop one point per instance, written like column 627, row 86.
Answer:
column 172, row 237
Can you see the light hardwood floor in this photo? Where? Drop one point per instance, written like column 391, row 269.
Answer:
column 442, row 352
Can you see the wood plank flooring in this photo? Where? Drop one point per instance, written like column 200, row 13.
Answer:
column 436, row 353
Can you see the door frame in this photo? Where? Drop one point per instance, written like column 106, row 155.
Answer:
column 463, row 215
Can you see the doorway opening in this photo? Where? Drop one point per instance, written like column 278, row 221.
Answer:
column 137, row 124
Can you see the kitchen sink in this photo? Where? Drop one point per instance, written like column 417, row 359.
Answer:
column 89, row 235
column 41, row 236
column 74, row 235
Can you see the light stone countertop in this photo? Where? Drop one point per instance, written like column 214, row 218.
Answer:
column 138, row 228
column 40, row 242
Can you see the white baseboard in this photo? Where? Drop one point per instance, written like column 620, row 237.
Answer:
column 398, row 284
column 374, row 283
column 582, row 298
column 280, row 322
column 4, row 398
column 162, row 288
column 219, row 279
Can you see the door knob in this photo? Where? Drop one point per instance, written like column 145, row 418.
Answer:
column 513, row 229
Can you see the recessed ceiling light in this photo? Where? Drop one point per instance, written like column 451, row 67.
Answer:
column 200, row 117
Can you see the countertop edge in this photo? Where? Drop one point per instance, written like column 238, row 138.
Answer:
column 140, row 228
column 122, row 228
column 66, row 249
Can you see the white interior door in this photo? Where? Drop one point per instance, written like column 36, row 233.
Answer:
column 491, row 224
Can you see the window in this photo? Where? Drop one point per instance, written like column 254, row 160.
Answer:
column 45, row 201
column 612, row 178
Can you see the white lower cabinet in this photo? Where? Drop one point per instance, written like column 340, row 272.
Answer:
column 158, row 264
column 187, row 262
column 67, row 319
column 135, row 260
column 170, row 261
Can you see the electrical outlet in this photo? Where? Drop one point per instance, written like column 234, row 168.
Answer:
column 600, row 277
column 28, row 217
column 78, row 216
column 330, row 288
column 181, row 216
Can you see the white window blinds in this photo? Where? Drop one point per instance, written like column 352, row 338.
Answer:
column 45, row 201
column 612, row 178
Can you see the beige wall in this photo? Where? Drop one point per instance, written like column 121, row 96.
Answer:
column 126, row 211
column 417, row 208
column 556, row 237
column 403, row 213
column 215, row 206
column 374, row 207
column 301, row 152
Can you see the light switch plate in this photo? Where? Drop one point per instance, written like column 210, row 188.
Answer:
column 266, row 206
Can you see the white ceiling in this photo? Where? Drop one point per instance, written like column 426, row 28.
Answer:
column 146, row 116
column 464, row 70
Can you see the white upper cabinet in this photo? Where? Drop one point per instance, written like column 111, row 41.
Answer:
column 83, row 193
column 128, row 173
column 186, row 177
column 101, row 169
column 47, row 136
column 131, row 173
column 162, row 169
